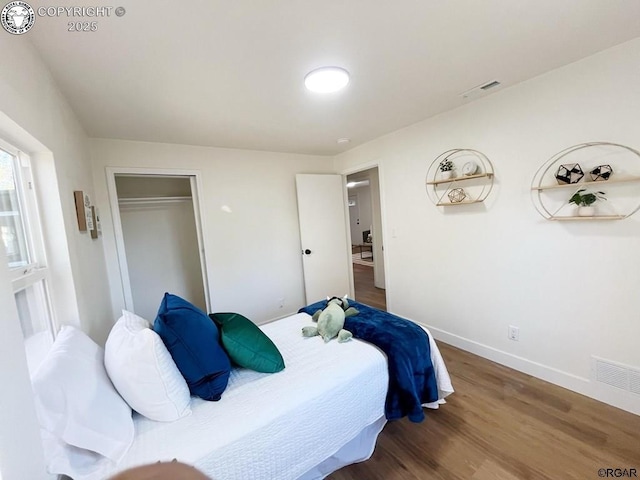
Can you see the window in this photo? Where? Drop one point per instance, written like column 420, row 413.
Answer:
column 24, row 249
column 12, row 225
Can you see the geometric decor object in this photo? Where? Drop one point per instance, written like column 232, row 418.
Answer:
column 601, row 173
column 569, row 173
column 457, row 195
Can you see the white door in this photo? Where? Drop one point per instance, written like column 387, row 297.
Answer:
column 326, row 254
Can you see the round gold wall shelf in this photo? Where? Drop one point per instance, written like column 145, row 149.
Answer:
column 610, row 168
column 471, row 180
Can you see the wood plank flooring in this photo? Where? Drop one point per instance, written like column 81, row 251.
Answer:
column 501, row 424
column 365, row 291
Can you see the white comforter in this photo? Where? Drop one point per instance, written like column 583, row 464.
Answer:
column 275, row 426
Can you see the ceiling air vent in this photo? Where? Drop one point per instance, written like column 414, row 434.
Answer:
column 489, row 85
column 480, row 89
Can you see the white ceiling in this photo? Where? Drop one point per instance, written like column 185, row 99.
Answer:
column 229, row 73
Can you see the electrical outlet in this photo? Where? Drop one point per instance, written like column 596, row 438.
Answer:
column 514, row 333
column 281, row 302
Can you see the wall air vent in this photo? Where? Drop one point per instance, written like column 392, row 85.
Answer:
column 634, row 382
column 475, row 91
column 616, row 375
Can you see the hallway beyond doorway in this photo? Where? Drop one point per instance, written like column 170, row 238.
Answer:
column 365, row 291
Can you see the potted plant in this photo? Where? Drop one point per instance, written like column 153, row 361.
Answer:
column 585, row 201
column 446, row 168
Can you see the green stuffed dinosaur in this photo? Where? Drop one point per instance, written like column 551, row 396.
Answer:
column 331, row 320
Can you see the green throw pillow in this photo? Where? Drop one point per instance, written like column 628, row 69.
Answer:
column 246, row 344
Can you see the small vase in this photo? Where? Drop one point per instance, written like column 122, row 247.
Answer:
column 589, row 211
column 448, row 175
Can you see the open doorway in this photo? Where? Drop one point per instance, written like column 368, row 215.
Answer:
column 367, row 251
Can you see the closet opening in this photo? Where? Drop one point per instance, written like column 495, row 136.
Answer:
column 159, row 240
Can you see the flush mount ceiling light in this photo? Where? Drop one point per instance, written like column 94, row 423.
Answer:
column 326, row 79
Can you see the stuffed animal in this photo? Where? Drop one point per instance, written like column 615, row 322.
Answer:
column 331, row 320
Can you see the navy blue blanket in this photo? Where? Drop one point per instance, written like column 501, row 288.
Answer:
column 412, row 380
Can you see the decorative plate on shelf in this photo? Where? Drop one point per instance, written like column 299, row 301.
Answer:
column 470, row 168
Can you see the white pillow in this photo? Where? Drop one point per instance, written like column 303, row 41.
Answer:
column 142, row 370
column 75, row 400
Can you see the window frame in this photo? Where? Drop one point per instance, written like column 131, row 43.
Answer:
column 36, row 270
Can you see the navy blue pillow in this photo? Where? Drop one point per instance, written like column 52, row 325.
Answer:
column 194, row 344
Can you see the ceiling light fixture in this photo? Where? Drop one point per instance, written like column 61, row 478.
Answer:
column 326, row 79
column 342, row 141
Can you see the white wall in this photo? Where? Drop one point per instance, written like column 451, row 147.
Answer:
column 469, row 272
column 36, row 118
column 253, row 254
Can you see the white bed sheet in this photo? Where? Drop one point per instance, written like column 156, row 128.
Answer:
column 275, row 426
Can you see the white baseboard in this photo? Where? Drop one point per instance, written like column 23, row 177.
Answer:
column 604, row 393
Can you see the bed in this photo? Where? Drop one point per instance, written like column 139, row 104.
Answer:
column 325, row 410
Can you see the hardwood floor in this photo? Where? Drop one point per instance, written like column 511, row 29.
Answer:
column 366, row 292
column 504, row 425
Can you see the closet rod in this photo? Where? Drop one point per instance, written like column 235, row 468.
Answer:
column 152, row 200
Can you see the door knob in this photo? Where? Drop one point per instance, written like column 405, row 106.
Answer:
column 307, row 252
